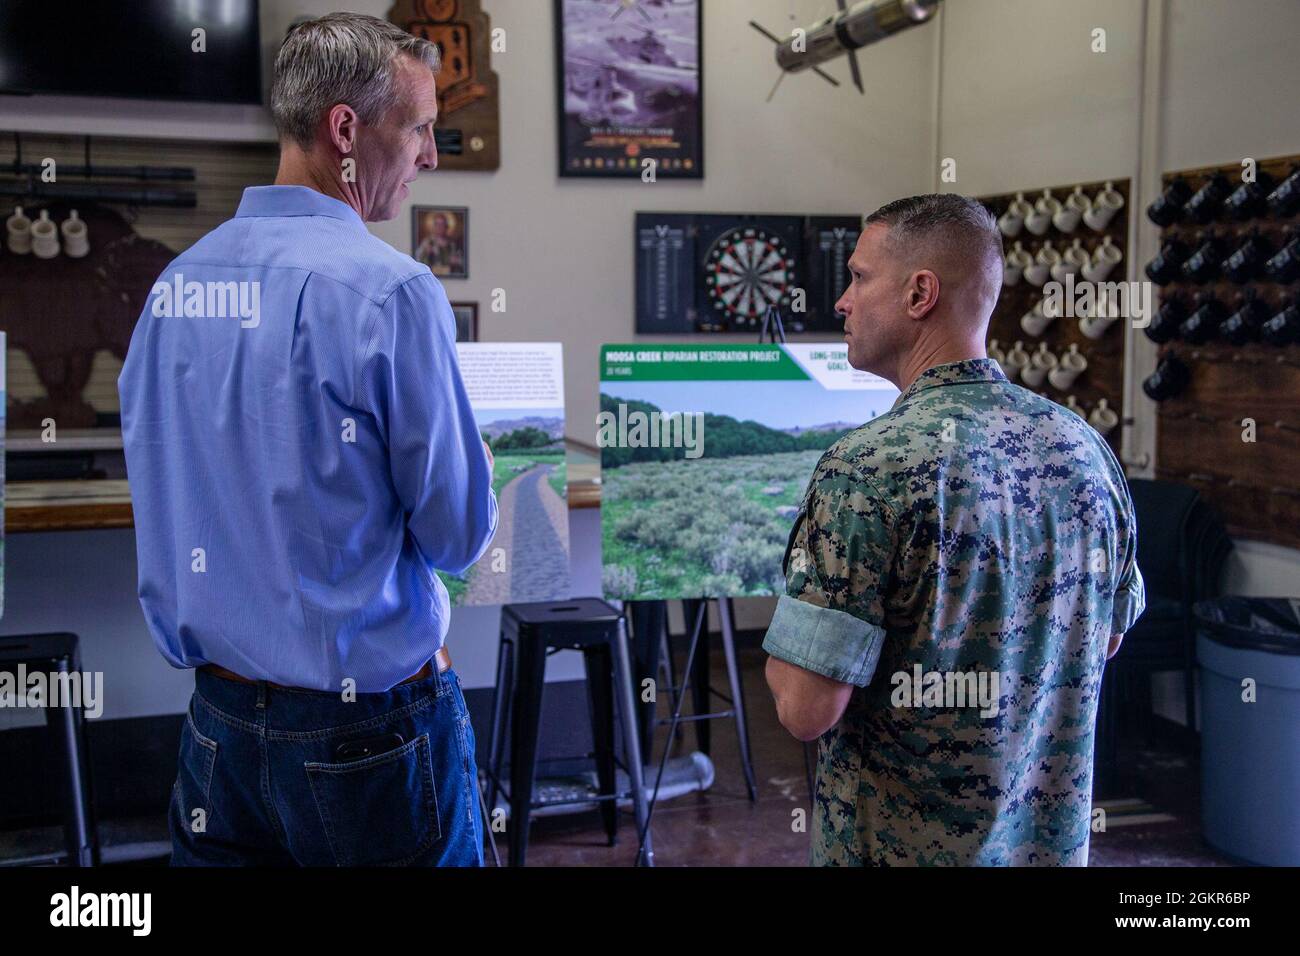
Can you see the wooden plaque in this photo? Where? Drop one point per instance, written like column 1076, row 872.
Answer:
column 469, row 116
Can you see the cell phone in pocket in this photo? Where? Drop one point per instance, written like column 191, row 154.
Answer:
column 367, row 747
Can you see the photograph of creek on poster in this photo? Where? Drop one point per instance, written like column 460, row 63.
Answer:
column 711, row 518
column 517, row 393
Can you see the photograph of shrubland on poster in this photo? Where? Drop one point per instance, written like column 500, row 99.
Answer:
column 705, row 456
column 517, row 392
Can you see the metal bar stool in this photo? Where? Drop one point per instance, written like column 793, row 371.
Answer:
column 66, row 734
column 529, row 633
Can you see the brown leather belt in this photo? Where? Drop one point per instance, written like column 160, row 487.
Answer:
column 442, row 660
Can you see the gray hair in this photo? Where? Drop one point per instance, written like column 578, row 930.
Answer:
column 339, row 58
column 958, row 223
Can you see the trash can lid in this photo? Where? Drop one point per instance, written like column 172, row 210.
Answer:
column 1257, row 624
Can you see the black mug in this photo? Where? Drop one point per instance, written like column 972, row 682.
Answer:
column 1284, row 267
column 1170, row 377
column 1168, row 207
column 1249, row 199
column 1203, row 324
column 1203, row 264
column 1243, row 325
column 1284, row 201
column 1283, row 328
column 1164, row 324
column 1205, row 205
column 1248, row 259
column 1168, row 263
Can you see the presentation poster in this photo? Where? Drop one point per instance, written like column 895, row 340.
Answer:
column 705, row 456
column 517, row 392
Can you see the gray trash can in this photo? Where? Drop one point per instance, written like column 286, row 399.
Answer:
column 1250, row 751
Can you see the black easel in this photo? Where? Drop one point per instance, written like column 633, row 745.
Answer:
column 773, row 331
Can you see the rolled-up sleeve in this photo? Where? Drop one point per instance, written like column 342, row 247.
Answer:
column 1130, row 592
column 436, row 458
column 831, row 618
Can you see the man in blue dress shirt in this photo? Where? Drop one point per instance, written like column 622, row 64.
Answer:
column 302, row 458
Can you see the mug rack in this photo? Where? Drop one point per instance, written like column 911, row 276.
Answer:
column 1103, row 379
column 1232, row 389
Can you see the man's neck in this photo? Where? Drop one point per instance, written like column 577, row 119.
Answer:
column 296, row 170
column 928, row 356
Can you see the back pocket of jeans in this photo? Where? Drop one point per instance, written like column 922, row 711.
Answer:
column 193, row 788
column 380, row 811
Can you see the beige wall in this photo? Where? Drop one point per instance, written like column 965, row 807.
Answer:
column 1008, row 88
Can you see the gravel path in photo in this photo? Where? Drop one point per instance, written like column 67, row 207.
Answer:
column 535, row 537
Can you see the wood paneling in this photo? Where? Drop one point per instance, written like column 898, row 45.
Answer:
column 1254, row 485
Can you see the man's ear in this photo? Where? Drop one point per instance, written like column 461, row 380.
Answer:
column 342, row 122
column 922, row 294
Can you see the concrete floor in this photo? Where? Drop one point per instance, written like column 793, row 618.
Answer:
column 720, row 827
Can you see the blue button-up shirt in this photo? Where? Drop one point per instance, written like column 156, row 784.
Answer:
column 301, row 451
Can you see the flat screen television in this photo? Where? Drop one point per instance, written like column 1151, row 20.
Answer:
column 143, row 49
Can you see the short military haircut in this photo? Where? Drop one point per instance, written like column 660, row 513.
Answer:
column 339, row 58
column 951, row 225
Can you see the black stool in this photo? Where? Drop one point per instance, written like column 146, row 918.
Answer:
column 66, row 729
column 529, row 632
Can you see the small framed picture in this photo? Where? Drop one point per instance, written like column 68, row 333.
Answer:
column 466, row 321
column 440, row 239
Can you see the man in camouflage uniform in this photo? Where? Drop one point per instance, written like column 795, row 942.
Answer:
column 976, row 535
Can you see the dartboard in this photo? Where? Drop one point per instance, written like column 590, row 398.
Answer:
column 748, row 270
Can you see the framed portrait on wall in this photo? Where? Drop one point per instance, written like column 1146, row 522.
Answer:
column 630, row 88
column 440, row 239
column 466, row 321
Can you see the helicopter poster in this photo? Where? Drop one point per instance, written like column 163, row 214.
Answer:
column 630, row 88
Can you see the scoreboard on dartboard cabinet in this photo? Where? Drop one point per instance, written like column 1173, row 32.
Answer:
column 721, row 273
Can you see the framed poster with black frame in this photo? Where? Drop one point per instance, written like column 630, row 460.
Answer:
column 630, row 88
column 466, row 314
column 440, row 240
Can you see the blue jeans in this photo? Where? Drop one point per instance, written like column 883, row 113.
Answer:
column 262, row 781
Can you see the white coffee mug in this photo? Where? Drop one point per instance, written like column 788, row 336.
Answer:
column 997, row 355
column 1104, row 206
column 1016, row 362
column 1038, row 221
column 1011, row 272
column 1075, row 205
column 76, row 241
column 1104, row 258
column 1043, row 262
column 1039, row 365
column 19, row 229
column 1103, row 418
column 1072, row 261
column 1009, row 224
column 1019, row 256
column 1071, row 366
column 1036, row 320
column 1072, row 403
column 1095, row 326
column 45, row 237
